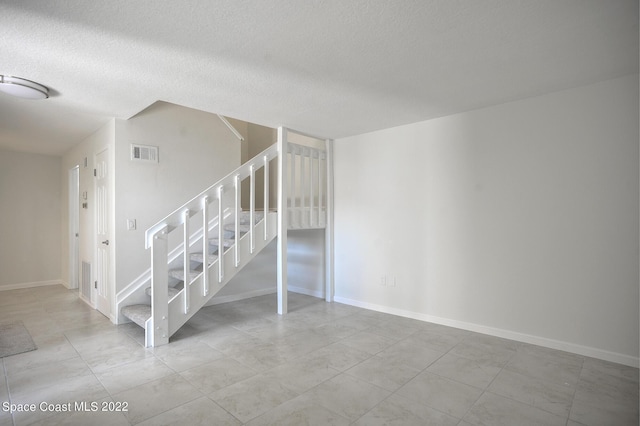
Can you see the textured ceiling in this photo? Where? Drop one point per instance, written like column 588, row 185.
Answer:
column 332, row 68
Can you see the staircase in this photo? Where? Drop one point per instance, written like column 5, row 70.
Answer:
column 141, row 313
column 189, row 267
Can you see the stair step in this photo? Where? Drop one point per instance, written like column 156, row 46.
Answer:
column 228, row 242
column 243, row 227
column 244, row 217
column 198, row 257
column 137, row 313
column 227, row 233
column 244, row 222
column 172, row 292
column 179, row 274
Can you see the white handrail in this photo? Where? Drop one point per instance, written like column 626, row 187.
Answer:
column 230, row 126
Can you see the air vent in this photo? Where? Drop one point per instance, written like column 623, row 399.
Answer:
column 144, row 153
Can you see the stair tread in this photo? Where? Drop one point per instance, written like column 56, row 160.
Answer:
column 228, row 242
column 198, row 257
column 179, row 274
column 172, row 291
column 244, row 216
column 244, row 222
column 139, row 314
column 243, row 227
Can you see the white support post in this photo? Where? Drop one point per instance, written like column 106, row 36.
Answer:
column 292, row 185
column 220, row 234
column 282, row 220
column 159, row 329
column 205, row 246
column 311, row 182
column 329, row 290
column 236, row 244
column 321, row 183
column 303, row 188
column 252, row 205
column 266, row 196
column 187, row 261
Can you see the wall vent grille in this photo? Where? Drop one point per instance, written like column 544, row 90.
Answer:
column 146, row 153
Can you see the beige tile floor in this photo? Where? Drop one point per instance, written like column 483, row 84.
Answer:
column 322, row 364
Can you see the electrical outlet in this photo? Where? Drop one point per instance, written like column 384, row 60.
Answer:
column 383, row 281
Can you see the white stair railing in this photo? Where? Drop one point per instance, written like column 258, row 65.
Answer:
column 157, row 237
column 307, row 206
column 307, row 193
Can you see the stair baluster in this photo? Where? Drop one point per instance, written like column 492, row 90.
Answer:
column 205, row 246
column 236, row 247
column 252, row 206
column 220, row 234
column 186, row 260
column 266, row 190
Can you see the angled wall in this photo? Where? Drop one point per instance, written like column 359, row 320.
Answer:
column 195, row 150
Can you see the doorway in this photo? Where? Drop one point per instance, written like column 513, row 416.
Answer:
column 74, row 227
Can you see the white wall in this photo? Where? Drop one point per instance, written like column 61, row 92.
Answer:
column 518, row 220
column 305, row 266
column 30, row 210
column 306, row 262
column 195, row 150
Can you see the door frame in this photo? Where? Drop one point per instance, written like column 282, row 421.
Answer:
column 74, row 227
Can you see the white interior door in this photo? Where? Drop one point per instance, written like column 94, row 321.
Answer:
column 74, row 227
column 102, row 287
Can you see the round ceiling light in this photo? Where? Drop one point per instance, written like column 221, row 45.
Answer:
column 23, row 88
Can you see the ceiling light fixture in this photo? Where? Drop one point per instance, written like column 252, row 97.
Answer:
column 23, row 88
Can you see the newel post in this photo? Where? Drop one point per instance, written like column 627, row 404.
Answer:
column 159, row 333
column 329, row 278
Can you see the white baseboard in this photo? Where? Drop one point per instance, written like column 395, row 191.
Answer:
column 216, row 300
column 30, row 285
column 85, row 300
column 308, row 292
column 497, row 332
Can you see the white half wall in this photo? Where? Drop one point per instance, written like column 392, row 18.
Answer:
column 305, row 266
column 519, row 220
column 306, row 262
column 30, row 209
